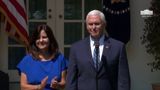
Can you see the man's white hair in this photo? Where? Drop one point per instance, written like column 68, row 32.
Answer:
column 96, row 12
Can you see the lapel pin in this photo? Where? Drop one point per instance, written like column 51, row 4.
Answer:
column 107, row 46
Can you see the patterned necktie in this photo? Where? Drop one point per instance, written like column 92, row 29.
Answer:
column 96, row 55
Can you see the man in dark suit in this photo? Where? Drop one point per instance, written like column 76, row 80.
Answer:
column 110, row 69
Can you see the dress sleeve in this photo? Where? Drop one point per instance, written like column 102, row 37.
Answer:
column 23, row 65
column 64, row 63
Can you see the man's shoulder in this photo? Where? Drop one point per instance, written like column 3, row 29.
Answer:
column 114, row 41
column 81, row 42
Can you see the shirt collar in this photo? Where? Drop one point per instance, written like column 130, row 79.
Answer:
column 101, row 40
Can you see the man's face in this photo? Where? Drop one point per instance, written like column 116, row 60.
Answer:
column 95, row 26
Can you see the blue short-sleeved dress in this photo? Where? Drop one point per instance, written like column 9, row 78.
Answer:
column 36, row 70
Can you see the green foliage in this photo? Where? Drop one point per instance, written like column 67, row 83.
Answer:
column 151, row 35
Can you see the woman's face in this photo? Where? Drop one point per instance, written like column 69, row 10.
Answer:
column 43, row 41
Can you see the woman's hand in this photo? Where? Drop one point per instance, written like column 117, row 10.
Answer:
column 54, row 83
column 59, row 84
column 43, row 83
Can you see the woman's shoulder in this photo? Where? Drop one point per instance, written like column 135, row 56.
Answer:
column 62, row 60
column 60, row 56
column 25, row 61
column 27, row 58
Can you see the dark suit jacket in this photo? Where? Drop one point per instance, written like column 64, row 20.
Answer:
column 113, row 73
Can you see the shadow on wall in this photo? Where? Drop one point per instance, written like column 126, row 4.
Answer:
column 4, row 81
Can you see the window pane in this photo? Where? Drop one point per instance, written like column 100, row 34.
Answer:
column 86, row 31
column 15, row 55
column 73, row 9
column 66, row 52
column 72, row 32
column 11, row 41
column 37, row 9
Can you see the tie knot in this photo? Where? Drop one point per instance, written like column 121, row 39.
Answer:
column 96, row 43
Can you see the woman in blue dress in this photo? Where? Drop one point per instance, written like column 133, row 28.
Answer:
column 44, row 67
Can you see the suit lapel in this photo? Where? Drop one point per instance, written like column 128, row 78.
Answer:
column 88, row 52
column 105, row 52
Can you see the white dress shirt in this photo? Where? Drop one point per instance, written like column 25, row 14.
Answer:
column 101, row 45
